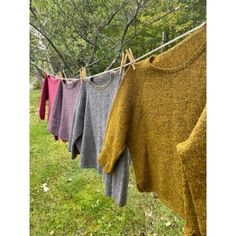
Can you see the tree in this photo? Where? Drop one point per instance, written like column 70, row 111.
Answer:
column 66, row 35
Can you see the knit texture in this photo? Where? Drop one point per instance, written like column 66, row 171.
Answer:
column 156, row 107
column 49, row 89
column 88, row 129
column 60, row 121
column 192, row 154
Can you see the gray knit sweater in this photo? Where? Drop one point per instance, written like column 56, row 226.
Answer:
column 88, row 129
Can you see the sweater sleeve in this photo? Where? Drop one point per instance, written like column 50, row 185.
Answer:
column 55, row 117
column 119, row 121
column 192, row 154
column 77, row 122
column 44, row 98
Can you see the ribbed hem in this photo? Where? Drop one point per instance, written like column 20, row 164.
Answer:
column 191, row 232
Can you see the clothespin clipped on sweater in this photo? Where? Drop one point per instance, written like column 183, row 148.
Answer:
column 83, row 74
column 131, row 57
column 123, row 61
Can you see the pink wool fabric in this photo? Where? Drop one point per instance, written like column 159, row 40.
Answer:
column 60, row 121
column 49, row 89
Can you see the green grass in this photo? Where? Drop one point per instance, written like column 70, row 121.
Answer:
column 75, row 203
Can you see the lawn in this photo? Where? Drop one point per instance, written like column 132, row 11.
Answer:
column 73, row 203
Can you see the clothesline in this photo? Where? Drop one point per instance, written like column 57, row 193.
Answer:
column 145, row 55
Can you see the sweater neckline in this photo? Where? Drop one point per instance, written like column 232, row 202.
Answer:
column 185, row 62
column 68, row 84
column 52, row 78
column 110, row 75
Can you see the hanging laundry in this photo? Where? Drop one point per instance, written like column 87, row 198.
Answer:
column 192, row 154
column 50, row 85
column 87, row 135
column 157, row 107
column 60, row 121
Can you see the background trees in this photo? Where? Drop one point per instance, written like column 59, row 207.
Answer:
column 68, row 34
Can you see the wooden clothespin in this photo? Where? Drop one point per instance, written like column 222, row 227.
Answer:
column 123, row 61
column 83, row 74
column 131, row 57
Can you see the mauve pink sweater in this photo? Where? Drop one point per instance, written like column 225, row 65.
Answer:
column 50, row 86
column 60, row 121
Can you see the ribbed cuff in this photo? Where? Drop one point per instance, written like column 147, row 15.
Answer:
column 104, row 164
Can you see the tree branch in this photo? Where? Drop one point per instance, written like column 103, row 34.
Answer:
column 100, row 27
column 149, row 23
column 34, row 64
column 126, row 28
column 123, row 43
column 51, row 43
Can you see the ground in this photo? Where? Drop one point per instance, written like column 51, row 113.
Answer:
column 72, row 202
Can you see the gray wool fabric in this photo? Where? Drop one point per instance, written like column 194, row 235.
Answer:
column 60, row 121
column 88, row 130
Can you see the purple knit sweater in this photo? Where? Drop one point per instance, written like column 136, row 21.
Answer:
column 62, row 112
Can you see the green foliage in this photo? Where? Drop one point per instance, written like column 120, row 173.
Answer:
column 75, row 204
column 66, row 35
column 35, row 84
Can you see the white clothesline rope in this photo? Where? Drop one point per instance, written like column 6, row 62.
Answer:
column 145, row 55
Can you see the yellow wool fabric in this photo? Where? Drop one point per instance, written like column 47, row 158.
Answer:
column 192, row 154
column 156, row 107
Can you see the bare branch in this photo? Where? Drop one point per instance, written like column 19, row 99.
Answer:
column 51, row 43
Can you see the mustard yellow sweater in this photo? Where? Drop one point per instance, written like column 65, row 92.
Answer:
column 156, row 107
